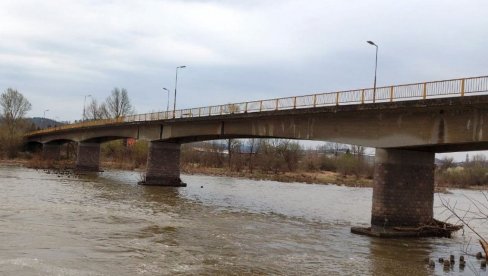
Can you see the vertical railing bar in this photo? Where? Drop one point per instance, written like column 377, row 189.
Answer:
column 276, row 104
column 391, row 94
column 315, row 100
column 294, row 102
column 337, row 98
column 362, row 96
column 260, row 105
column 462, row 87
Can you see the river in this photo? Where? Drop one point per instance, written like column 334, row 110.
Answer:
column 106, row 224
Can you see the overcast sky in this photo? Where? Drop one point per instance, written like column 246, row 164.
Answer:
column 55, row 52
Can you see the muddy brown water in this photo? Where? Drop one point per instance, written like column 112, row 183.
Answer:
column 106, row 224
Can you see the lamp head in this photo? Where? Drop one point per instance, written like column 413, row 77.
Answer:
column 183, row 66
column 371, row 42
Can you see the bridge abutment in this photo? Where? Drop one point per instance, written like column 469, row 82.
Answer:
column 163, row 165
column 88, row 158
column 51, row 151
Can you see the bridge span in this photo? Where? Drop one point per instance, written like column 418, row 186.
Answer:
column 407, row 124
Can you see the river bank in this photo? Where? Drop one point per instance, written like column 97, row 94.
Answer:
column 317, row 177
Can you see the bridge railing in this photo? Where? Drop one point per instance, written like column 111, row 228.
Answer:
column 416, row 91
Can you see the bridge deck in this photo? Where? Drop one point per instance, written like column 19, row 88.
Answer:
column 387, row 94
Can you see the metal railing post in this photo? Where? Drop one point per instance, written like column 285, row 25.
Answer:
column 245, row 111
column 462, row 87
column 391, row 94
column 424, row 93
column 362, row 96
column 276, row 105
column 294, row 102
column 374, row 95
column 315, row 100
column 337, row 98
column 261, row 106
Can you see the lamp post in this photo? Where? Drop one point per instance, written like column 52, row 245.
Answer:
column 176, row 84
column 84, row 107
column 167, row 102
column 375, row 67
column 44, row 115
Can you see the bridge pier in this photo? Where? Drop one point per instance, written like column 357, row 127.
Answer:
column 403, row 192
column 51, row 151
column 163, row 165
column 88, row 158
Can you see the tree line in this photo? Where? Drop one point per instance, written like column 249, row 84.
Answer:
column 276, row 156
column 14, row 124
column 472, row 172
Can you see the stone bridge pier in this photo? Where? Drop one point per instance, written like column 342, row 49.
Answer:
column 88, row 157
column 403, row 191
column 163, row 165
column 51, row 151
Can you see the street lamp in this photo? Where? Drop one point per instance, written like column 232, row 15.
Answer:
column 44, row 115
column 167, row 102
column 176, row 84
column 84, row 107
column 375, row 67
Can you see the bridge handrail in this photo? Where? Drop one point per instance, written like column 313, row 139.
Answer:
column 424, row 90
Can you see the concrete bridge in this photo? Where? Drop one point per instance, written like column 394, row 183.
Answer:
column 407, row 124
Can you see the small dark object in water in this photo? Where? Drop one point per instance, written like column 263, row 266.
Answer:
column 201, row 186
column 451, row 259
column 441, row 260
column 462, row 264
column 461, row 258
column 431, row 263
column 483, row 264
column 447, row 263
column 479, row 255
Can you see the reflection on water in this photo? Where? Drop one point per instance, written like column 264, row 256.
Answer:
column 106, row 224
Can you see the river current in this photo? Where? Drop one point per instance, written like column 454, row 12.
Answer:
column 106, row 224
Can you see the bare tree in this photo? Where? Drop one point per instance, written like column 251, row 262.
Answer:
column 96, row 111
column 233, row 146
column 477, row 211
column 253, row 149
column 118, row 104
column 14, row 107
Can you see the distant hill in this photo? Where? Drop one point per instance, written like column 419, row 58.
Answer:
column 40, row 123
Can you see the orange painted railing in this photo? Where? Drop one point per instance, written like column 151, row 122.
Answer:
column 426, row 90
